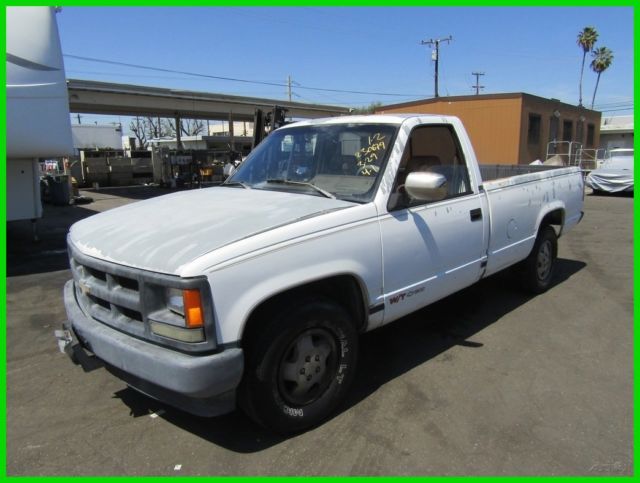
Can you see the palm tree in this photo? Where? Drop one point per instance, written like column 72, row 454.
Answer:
column 586, row 40
column 602, row 59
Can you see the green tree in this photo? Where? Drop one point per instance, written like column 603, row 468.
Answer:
column 586, row 40
column 370, row 109
column 602, row 60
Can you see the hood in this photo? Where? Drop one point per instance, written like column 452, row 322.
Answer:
column 164, row 233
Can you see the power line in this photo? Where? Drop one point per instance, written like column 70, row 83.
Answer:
column 172, row 71
column 614, row 104
column 235, row 79
column 619, row 109
column 113, row 74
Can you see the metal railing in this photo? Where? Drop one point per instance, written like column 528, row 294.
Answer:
column 573, row 154
column 590, row 158
column 567, row 151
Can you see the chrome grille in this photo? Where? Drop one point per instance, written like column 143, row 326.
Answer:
column 110, row 298
column 131, row 299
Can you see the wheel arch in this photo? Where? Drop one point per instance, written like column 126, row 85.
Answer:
column 553, row 216
column 346, row 289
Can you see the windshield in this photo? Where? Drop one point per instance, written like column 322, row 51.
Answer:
column 344, row 161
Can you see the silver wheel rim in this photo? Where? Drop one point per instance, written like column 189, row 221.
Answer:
column 307, row 367
column 545, row 260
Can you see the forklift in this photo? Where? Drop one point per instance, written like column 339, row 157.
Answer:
column 266, row 123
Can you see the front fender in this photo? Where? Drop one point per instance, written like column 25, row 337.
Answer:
column 238, row 314
column 240, row 287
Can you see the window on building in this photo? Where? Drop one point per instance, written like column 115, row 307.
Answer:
column 591, row 133
column 580, row 131
column 567, row 131
column 533, row 134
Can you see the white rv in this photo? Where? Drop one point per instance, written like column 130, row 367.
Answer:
column 38, row 123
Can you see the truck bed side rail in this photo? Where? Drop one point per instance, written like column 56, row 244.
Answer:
column 497, row 171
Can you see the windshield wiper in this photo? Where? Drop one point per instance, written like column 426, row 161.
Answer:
column 237, row 183
column 301, row 183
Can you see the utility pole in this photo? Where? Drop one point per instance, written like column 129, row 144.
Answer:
column 477, row 87
column 435, row 55
column 289, row 87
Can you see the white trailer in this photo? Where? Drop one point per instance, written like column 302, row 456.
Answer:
column 38, row 123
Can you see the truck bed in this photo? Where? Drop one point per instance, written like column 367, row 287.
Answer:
column 496, row 176
column 518, row 198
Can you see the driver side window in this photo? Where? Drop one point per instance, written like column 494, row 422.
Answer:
column 432, row 148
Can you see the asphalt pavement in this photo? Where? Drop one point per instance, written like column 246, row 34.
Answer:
column 490, row 381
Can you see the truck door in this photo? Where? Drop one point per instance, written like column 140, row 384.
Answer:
column 432, row 249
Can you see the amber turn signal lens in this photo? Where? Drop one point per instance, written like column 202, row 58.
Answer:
column 194, row 315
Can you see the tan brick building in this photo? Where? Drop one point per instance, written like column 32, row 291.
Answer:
column 515, row 127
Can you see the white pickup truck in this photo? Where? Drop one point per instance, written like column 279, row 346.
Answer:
column 255, row 291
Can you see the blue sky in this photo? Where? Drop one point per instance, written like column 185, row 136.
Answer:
column 372, row 49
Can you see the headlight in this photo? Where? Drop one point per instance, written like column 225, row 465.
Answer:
column 183, row 317
column 177, row 333
column 175, row 301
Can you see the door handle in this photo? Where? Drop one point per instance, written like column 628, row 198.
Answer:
column 476, row 214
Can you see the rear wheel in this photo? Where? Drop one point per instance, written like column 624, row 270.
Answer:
column 299, row 366
column 538, row 267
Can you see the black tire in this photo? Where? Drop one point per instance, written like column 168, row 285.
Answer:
column 299, row 366
column 538, row 268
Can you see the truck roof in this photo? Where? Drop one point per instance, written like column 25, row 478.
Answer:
column 371, row 118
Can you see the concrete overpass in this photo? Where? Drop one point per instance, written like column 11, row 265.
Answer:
column 132, row 100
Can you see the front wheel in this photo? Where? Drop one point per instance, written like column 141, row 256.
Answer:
column 299, row 366
column 538, row 267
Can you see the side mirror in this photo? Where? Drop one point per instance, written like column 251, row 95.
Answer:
column 426, row 186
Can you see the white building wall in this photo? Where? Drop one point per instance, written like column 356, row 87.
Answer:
column 240, row 128
column 87, row 136
column 616, row 132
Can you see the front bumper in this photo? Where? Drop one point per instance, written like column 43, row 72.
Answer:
column 200, row 384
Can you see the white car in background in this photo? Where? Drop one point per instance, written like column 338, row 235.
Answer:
column 616, row 173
